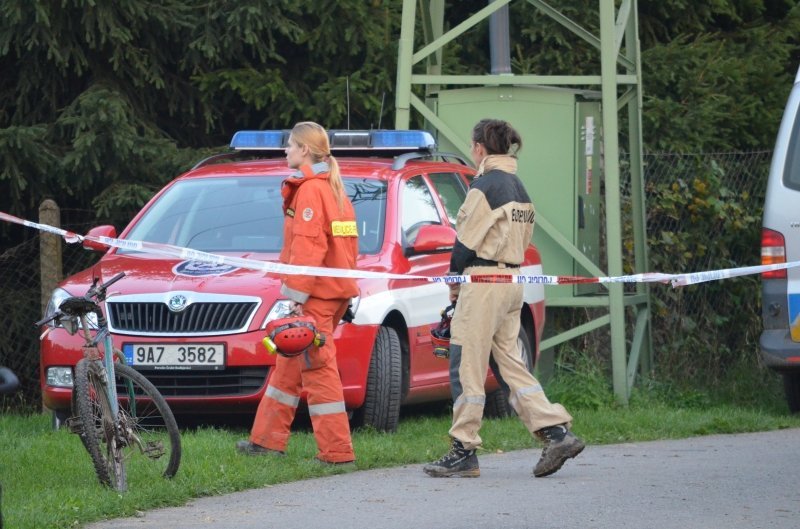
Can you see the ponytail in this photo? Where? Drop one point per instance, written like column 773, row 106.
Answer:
column 335, row 180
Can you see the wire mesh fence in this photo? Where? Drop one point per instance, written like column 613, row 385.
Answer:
column 703, row 211
column 21, row 301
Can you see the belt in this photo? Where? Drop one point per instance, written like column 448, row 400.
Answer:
column 486, row 262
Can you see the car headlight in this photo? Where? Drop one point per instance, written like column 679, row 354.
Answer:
column 281, row 309
column 59, row 377
column 56, row 299
column 354, row 303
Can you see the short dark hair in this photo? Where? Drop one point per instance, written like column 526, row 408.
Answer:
column 497, row 136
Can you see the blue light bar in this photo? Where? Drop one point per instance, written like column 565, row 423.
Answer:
column 340, row 140
column 258, row 140
column 402, row 139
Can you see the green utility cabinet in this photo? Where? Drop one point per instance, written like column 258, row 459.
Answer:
column 560, row 162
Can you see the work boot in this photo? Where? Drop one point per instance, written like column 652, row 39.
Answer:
column 251, row 449
column 559, row 445
column 458, row 462
column 337, row 464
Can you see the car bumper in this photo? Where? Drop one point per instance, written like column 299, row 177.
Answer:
column 779, row 351
column 238, row 388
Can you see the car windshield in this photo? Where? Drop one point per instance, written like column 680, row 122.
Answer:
column 244, row 215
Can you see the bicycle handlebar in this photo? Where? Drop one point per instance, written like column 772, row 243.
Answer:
column 54, row 316
column 8, row 381
column 99, row 292
column 111, row 281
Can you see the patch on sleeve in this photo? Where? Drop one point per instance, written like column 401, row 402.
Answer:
column 308, row 214
column 344, row 228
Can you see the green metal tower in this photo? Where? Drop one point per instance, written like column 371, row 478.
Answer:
column 567, row 117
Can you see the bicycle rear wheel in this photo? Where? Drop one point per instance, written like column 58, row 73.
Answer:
column 96, row 423
column 148, row 427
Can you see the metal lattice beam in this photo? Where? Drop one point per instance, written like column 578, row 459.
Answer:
column 620, row 91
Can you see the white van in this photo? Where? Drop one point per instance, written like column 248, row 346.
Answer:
column 780, row 242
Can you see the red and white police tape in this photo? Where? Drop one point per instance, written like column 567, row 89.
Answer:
column 179, row 252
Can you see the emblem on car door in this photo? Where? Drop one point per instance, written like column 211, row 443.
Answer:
column 177, row 303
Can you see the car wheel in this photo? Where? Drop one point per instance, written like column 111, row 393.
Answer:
column 791, row 385
column 497, row 402
column 59, row 419
column 381, row 409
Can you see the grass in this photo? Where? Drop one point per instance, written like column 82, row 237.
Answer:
column 48, row 480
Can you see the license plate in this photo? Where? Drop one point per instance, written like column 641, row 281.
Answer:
column 175, row 356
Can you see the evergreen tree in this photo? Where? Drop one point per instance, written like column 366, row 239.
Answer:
column 106, row 101
column 715, row 74
column 101, row 103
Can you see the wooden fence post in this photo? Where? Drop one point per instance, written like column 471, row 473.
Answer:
column 50, row 246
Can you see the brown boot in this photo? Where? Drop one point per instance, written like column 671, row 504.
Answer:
column 559, row 445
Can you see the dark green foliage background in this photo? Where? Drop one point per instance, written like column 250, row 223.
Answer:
column 101, row 103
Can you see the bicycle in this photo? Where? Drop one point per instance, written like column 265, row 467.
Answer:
column 8, row 381
column 114, row 421
column 8, row 384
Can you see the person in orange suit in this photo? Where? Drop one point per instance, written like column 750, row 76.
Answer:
column 319, row 230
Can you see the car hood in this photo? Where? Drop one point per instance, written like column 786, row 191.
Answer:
column 147, row 274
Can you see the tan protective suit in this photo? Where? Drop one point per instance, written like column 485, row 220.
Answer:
column 494, row 227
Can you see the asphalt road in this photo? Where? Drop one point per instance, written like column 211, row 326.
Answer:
column 720, row 481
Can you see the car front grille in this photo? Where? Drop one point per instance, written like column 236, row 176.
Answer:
column 230, row 382
column 155, row 318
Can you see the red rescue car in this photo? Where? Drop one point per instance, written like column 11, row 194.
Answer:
column 195, row 329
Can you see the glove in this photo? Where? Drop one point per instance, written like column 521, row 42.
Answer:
column 455, row 290
column 348, row 314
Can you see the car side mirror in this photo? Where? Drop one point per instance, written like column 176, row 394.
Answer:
column 434, row 238
column 105, row 230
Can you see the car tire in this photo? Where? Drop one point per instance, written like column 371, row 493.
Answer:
column 497, row 405
column 497, row 402
column 381, row 408
column 59, row 419
column 791, row 385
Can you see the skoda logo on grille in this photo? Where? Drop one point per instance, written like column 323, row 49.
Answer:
column 177, row 303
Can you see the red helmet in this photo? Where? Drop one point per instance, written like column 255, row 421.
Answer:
column 292, row 336
column 440, row 335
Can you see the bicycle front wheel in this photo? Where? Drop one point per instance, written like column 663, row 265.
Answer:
column 148, row 427
column 97, row 428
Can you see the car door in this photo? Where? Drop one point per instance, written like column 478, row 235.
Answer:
column 433, row 198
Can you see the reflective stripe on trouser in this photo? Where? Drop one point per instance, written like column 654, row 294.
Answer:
column 487, row 321
column 315, row 373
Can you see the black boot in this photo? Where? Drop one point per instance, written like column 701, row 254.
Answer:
column 559, row 445
column 458, row 462
column 251, row 449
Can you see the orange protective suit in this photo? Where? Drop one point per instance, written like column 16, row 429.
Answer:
column 316, row 233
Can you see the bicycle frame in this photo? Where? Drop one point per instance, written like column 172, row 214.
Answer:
column 108, row 363
column 108, row 358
